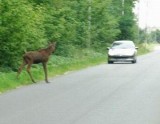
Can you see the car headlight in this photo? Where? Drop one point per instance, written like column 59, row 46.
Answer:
column 111, row 53
column 130, row 53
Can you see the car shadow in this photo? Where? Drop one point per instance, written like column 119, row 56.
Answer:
column 121, row 63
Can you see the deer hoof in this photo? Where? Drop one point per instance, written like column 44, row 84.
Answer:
column 47, row 81
column 33, row 81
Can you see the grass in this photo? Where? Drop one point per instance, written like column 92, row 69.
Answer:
column 59, row 65
column 145, row 48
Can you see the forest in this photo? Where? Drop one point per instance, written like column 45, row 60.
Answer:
column 74, row 25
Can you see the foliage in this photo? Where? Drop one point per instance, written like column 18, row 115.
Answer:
column 151, row 36
column 105, row 26
column 155, row 36
column 21, row 29
column 127, row 22
column 74, row 24
column 57, row 65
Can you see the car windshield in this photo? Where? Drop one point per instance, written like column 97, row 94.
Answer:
column 122, row 45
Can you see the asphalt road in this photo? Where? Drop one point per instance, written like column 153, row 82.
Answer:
column 104, row 94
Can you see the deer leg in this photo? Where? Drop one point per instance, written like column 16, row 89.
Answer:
column 20, row 68
column 45, row 71
column 28, row 70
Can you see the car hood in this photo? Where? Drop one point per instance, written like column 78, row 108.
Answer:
column 122, row 51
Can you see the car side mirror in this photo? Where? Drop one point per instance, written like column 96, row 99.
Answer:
column 108, row 48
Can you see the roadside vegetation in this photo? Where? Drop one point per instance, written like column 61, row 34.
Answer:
column 58, row 65
column 82, row 30
column 146, row 48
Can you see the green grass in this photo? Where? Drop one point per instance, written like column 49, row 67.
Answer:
column 145, row 48
column 58, row 65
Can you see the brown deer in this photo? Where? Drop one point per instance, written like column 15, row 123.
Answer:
column 35, row 57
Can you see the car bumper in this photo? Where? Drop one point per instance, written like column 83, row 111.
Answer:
column 121, row 58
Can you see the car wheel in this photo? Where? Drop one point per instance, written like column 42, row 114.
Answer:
column 110, row 62
column 134, row 61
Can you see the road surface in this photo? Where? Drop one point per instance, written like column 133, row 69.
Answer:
column 104, row 94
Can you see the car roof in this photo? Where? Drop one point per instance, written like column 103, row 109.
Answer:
column 128, row 43
column 123, row 41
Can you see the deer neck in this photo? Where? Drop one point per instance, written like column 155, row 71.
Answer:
column 49, row 52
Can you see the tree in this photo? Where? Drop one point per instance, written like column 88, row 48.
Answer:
column 21, row 29
column 73, row 24
column 104, row 24
column 123, row 10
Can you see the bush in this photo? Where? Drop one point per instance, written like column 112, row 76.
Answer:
column 21, row 29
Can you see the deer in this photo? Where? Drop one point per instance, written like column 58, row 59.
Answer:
column 36, row 57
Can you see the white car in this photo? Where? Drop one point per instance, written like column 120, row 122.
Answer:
column 123, row 50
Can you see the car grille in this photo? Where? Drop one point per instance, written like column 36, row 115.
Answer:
column 121, row 57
